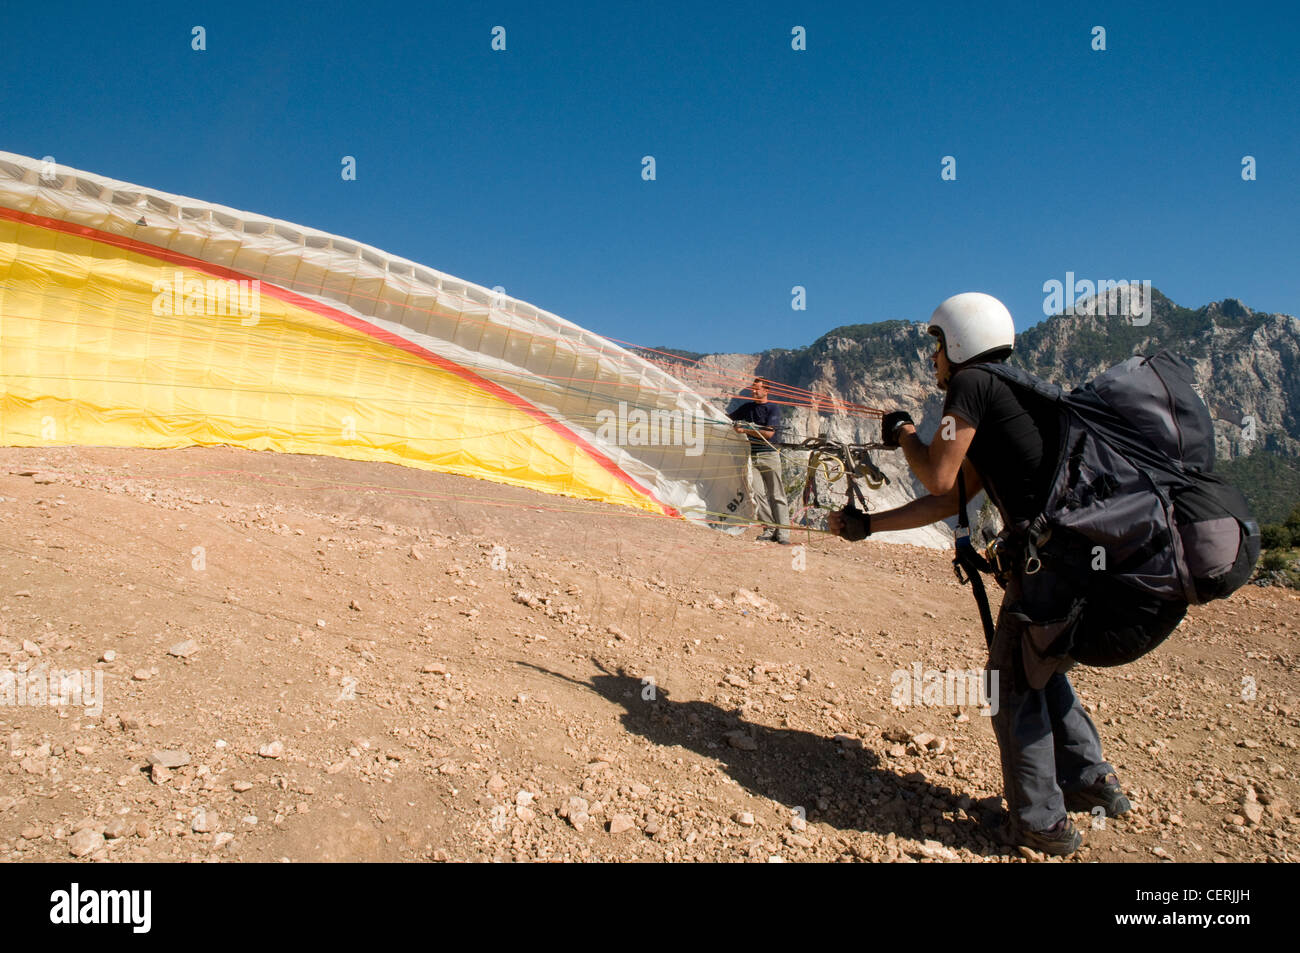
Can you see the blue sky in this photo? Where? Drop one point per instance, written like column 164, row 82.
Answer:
column 775, row 168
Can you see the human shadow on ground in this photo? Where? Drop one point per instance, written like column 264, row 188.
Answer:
column 831, row 782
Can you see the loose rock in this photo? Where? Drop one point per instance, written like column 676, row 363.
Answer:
column 85, row 842
column 169, row 758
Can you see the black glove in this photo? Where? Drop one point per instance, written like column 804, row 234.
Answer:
column 889, row 425
column 857, row 524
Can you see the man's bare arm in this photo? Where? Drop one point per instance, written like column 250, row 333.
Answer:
column 926, row 509
column 936, row 465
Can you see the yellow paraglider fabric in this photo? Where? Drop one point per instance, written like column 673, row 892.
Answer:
column 106, row 340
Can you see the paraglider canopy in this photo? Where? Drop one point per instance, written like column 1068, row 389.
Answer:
column 137, row 318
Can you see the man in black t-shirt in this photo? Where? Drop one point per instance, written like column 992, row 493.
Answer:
column 1004, row 441
column 759, row 421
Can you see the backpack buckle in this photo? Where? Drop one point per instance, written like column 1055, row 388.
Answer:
column 996, row 554
column 1032, row 562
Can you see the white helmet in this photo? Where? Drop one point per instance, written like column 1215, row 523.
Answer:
column 973, row 325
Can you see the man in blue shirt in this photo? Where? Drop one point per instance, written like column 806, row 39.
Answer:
column 759, row 421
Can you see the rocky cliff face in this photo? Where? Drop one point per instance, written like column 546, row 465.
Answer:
column 1247, row 363
column 1247, row 366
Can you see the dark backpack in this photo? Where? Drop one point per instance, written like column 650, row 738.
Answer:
column 1132, row 492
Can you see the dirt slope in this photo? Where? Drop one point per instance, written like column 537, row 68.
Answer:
column 390, row 664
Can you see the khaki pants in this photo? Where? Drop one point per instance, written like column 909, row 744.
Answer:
column 772, row 506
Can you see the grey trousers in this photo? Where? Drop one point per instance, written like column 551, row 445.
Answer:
column 1047, row 741
column 772, row 506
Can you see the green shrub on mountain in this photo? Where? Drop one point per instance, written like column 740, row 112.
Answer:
column 1269, row 481
column 1293, row 523
column 1275, row 536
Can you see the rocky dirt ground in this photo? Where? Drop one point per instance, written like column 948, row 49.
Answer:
column 306, row 658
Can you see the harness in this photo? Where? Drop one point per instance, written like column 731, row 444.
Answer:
column 967, row 564
column 834, row 460
column 1024, row 549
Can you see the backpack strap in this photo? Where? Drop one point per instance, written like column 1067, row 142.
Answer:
column 1015, row 375
column 971, row 562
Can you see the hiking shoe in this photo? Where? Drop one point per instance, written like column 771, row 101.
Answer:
column 1105, row 793
column 1060, row 840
